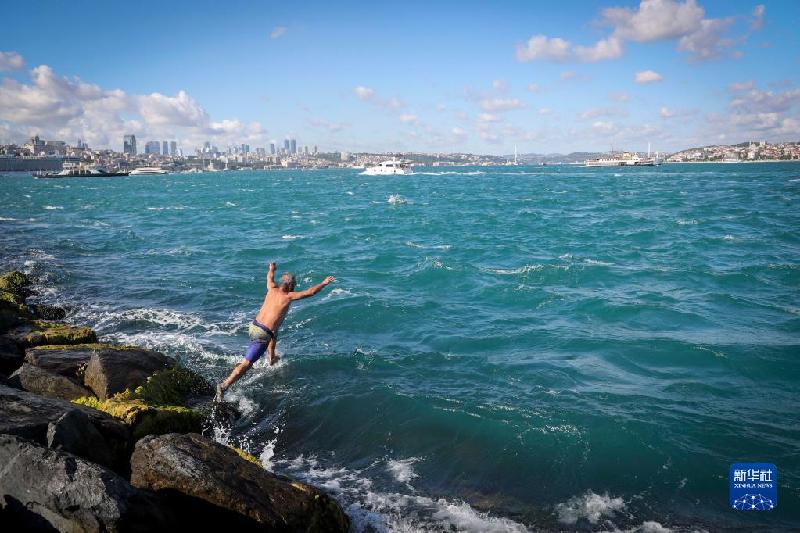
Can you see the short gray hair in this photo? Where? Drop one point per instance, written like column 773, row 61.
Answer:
column 287, row 281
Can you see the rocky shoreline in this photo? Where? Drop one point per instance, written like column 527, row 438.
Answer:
column 103, row 437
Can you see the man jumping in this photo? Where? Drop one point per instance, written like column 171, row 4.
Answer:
column 264, row 329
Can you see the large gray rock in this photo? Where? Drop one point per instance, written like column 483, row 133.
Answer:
column 74, row 432
column 196, row 466
column 41, row 487
column 113, row 370
column 10, row 356
column 40, row 381
column 29, row 416
column 62, row 360
column 42, row 332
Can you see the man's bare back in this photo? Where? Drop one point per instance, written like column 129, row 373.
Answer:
column 264, row 329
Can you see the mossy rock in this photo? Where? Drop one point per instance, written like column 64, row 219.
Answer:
column 145, row 419
column 88, row 346
column 11, row 298
column 247, row 457
column 173, row 386
column 40, row 332
column 15, row 283
column 11, row 315
column 48, row 312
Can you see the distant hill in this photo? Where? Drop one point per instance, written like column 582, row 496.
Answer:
column 552, row 159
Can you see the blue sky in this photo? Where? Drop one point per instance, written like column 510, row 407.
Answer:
column 424, row 76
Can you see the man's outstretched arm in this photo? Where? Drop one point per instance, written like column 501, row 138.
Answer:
column 271, row 276
column 311, row 291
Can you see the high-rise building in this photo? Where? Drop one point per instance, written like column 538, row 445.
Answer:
column 286, row 145
column 152, row 147
column 294, row 146
column 305, row 149
column 315, row 149
column 272, row 148
column 164, row 148
column 129, row 144
column 173, row 148
column 245, row 148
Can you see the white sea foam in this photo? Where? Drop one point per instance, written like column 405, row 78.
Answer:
column 53, row 207
column 589, row 506
column 350, row 193
column 7, row 219
column 686, row 222
column 403, row 469
column 514, row 271
column 729, row 237
column 412, row 244
column 450, row 173
column 290, row 237
column 374, row 510
column 396, row 199
column 597, row 262
column 230, row 204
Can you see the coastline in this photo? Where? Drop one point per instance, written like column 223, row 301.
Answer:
column 99, row 436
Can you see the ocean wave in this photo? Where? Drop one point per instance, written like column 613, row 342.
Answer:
column 686, row 222
column 53, row 207
column 374, row 510
column 589, row 506
column 169, row 208
column 396, row 199
column 290, row 237
column 412, row 244
column 230, row 204
column 403, row 469
column 7, row 219
column 450, row 173
column 515, row 271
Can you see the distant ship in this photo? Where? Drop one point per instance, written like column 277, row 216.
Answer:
column 389, row 168
column 82, row 173
column 625, row 159
column 148, row 171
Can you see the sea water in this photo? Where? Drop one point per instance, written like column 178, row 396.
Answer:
column 505, row 348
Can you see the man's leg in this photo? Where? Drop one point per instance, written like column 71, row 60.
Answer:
column 237, row 373
column 254, row 353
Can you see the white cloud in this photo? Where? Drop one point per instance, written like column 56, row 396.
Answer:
column 333, row 127
column 654, row 20
column 756, row 100
column 499, row 85
column 545, row 111
column 651, row 20
column 758, row 17
column 666, row 112
column 707, row 41
column 408, row 118
column 610, row 48
column 647, row 76
column 741, row 86
column 603, row 112
column 10, row 61
column 620, row 96
column 393, row 103
column 542, row 47
column 363, row 93
column 534, row 87
column 501, row 104
column 488, row 117
column 181, row 110
column 568, row 75
column 278, row 32
column 459, row 135
column 68, row 109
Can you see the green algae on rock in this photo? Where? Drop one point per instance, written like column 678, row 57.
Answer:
column 146, row 419
column 39, row 332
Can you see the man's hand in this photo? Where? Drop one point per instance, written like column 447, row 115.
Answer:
column 329, row 279
column 272, row 266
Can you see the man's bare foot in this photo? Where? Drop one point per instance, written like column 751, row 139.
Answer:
column 273, row 360
column 220, row 392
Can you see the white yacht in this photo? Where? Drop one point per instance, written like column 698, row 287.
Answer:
column 389, row 168
column 148, row 171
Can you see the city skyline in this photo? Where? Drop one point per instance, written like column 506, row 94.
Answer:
column 470, row 77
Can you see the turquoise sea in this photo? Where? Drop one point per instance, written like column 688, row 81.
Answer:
column 505, row 348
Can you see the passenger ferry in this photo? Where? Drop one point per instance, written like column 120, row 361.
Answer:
column 148, row 171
